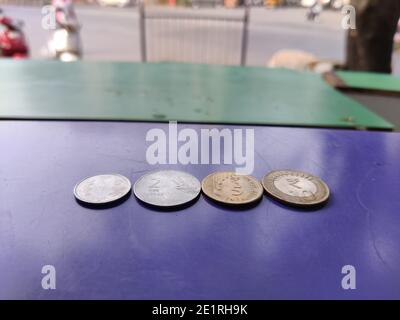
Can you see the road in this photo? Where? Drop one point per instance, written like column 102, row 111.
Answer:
column 112, row 34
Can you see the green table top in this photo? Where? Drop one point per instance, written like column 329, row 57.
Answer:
column 170, row 91
column 370, row 80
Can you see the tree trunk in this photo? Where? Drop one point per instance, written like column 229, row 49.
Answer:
column 370, row 45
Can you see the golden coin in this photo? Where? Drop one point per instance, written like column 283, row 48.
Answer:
column 231, row 188
column 296, row 188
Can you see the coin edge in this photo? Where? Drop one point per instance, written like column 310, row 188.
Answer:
column 233, row 203
column 101, row 203
column 297, row 204
column 169, row 206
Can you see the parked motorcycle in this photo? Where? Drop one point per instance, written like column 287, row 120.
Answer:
column 65, row 43
column 13, row 43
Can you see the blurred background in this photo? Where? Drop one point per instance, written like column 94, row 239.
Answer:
column 205, row 31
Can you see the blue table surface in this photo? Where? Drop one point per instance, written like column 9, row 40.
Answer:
column 205, row 251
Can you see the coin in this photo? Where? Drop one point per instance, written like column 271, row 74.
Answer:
column 296, row 188
column 102, row 189
column 231, row 188
column 167, row 188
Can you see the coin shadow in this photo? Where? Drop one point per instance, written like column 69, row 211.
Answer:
column 167, row 209
column 233, row 207
column 305, row 209
column 105, row 205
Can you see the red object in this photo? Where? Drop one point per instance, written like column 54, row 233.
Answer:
column 172, row 2
column 12, row 39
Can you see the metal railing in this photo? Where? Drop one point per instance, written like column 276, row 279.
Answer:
column 202, row 36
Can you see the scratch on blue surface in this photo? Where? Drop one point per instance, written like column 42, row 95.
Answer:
column 368, row 215
column 263, row 159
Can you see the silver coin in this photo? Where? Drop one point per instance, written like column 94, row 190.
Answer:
column 102, row 189
column 167, row 188
column 296, row 188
